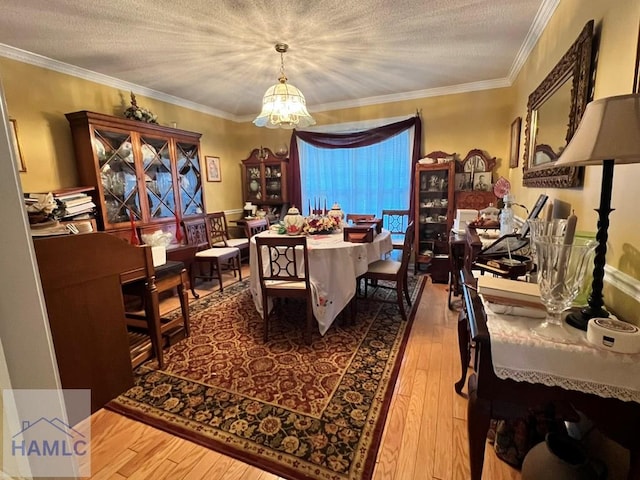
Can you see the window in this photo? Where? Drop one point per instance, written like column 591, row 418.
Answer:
column 362, row 180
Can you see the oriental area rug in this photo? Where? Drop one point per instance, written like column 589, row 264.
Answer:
column 299, row 411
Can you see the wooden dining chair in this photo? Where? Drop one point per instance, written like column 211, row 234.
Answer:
column 360, row 217
column 393, row 271
column 217, row 258
column 283, row 272
column 219, row 234
column 251, row 227
column 396, row 221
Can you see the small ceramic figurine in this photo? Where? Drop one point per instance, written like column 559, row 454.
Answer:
column 293, row 221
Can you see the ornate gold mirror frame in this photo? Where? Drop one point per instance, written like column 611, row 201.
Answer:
column 574, row 67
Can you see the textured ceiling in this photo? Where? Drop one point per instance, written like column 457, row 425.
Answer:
column 220, row 53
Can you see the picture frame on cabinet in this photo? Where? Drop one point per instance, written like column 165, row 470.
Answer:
column 213, row 169
column 13, row 125
column 514, row 153
column 482, row 181
column 463, row 182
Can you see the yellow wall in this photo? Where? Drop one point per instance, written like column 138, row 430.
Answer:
column 38, row 99
column 616, row 25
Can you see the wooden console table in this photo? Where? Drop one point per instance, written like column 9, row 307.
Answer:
column 492, row 397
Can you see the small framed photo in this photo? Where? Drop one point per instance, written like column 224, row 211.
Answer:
column 482, row 181
column 514, row 153
column 213, row 169
column 16, row 146
column 463, row 181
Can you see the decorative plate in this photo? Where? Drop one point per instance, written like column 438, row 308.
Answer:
column 148, row 154
column 502, row 187
column 99, row 148
column 125, row 151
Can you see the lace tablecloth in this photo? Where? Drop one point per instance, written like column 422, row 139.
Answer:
column 334, row 266
column 518, row 355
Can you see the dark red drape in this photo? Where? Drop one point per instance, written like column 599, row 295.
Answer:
column 351, row 140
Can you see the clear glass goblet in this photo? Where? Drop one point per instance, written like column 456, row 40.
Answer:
column 540, row 227
column 561, row 270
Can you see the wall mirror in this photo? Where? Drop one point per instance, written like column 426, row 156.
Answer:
column 554, row 111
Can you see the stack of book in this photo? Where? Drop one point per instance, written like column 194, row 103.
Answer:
column 509, row 292
column 74, row 203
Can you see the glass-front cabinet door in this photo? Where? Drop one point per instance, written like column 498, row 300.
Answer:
column 253, row 184
column 273, row 182
column 120, row 193
column 158, row 179
column 189, row 178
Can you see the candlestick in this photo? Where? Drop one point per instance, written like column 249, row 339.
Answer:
column 310, row 212
column 324, row 212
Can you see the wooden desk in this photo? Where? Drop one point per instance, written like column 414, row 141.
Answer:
column 492, row 397
column 82, row 277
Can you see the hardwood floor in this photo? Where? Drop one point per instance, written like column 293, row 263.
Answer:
column 425, row 435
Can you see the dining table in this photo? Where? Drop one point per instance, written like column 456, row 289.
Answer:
column 334, row 267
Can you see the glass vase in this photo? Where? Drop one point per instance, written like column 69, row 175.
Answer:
column 561, row 270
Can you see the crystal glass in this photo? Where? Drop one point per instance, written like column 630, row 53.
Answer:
column 539, row 227
column 561, row 270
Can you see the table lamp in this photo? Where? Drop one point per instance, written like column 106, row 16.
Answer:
column 608, row 133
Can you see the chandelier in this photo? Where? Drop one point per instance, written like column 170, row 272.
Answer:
column 283, row 105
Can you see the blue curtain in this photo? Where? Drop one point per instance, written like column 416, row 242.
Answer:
column 362, row 180
column 342, row 141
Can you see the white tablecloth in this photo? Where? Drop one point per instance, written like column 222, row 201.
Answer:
column 578, row 365
column 334, row 266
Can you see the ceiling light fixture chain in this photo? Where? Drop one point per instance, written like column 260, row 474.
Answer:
column 282, row 48
column 283, row 105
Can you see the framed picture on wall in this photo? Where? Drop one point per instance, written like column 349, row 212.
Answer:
column 16, row 146
column 213, row 169
column 514, row 153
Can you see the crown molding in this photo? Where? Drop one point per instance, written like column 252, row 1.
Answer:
column 68, row 69
column 543, row 15
column 545, row 12
column 398, row 97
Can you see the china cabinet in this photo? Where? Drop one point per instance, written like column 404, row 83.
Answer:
column 144, row 174
column 264, row 180
column 434, row 197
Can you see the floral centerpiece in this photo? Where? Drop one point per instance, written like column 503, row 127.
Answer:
column 135, row 112
column 319, row 224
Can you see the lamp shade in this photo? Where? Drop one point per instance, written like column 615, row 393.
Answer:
column 609, row 130
column 284, row 106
